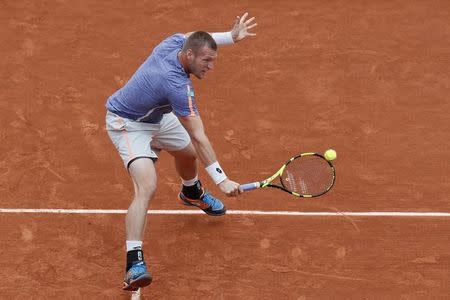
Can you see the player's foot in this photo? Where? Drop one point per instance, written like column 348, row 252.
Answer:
column 136, row 277
column 208, row 203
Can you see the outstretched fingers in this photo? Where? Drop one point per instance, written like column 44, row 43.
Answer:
column 249, row 20
column 241, row 27
column 244, row 16
column 251, row 26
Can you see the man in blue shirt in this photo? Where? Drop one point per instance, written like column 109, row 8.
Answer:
column 156, row 111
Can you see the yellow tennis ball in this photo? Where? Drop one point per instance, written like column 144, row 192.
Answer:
column 330, row 154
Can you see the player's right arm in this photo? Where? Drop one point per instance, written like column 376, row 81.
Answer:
column 205, row 151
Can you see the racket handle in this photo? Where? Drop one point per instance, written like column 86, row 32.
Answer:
column 250, row 186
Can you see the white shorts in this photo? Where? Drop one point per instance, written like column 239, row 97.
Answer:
column 138, row 139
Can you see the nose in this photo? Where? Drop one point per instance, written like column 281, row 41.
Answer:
column 210, row 65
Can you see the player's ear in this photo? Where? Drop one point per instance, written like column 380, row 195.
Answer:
column 190, row 54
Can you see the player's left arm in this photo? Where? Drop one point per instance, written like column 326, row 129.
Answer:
column 239, row 31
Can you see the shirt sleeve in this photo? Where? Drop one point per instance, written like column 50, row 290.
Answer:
column 182, row 100
column 170, row 44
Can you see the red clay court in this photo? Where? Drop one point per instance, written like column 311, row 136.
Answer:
column 367, row 78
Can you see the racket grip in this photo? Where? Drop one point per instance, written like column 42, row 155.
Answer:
column 250, row 186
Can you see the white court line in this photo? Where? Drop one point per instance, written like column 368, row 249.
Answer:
column 229, row 212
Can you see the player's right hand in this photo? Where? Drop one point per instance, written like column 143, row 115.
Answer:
column 230, row 188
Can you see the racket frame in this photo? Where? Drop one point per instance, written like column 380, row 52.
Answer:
column 269, row 181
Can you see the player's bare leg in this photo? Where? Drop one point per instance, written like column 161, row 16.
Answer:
column 192, row 192
column 186, row 162
column 143, row 174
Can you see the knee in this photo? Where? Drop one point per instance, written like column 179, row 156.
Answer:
column 190, row 157
column 188, row 153
column 145, row 191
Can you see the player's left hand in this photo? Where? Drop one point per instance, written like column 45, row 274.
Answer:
column 241, row 27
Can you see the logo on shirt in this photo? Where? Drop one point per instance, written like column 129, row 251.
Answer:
column 219, row 170
column 190, row 93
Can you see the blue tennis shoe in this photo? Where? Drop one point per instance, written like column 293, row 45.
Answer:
column 136, row 277
column 208, row 203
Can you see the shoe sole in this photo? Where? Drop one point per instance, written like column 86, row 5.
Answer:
column 141, row 281
column 218, row 214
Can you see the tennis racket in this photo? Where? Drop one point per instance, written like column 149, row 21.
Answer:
column 306, row 175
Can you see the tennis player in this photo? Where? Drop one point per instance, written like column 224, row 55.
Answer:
column 156, row 110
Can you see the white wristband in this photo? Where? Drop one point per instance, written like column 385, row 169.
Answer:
column 223, row 38
column 215, row 171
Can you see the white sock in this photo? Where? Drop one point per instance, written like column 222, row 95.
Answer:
column 190, row 182
column 134, row 245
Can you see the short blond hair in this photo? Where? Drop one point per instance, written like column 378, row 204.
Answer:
column 198, row 40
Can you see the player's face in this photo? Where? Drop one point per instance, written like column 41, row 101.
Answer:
column 202, row 62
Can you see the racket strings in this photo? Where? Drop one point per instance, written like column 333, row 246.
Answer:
column 308, row 175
